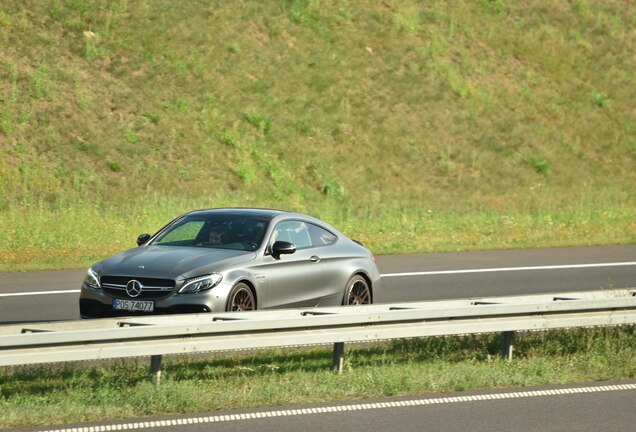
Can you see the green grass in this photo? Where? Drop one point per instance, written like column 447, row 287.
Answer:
column 497, row 116
column 52, row 395
column 76, row 236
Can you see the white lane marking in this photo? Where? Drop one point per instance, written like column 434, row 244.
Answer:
column 39, row 293
column 341, row 408
column 508, row 269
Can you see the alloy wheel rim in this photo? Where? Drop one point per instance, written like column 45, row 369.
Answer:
column 242, row 301
column 359, row 293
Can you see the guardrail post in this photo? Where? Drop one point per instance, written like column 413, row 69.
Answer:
column 507, row 346
column 338, row 357
column 155, row 369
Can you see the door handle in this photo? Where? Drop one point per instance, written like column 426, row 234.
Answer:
column 314, row 258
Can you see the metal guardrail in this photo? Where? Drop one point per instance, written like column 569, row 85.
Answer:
column 155, row 336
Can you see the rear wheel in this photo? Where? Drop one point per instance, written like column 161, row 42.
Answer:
column 357, row 292
column 241, row 298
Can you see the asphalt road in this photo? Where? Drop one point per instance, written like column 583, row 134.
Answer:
column 53, row 295
column 600, row 406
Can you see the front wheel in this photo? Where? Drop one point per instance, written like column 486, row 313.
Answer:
column 241, row 298
column 357, row 292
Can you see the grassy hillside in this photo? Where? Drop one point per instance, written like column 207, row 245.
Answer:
column 414, row 126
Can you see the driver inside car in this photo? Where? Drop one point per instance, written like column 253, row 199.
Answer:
column 214, row 237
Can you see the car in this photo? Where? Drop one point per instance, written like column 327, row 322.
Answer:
column 232, row 259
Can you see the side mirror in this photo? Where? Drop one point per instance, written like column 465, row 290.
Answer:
column 143, row 239
column 282, row 248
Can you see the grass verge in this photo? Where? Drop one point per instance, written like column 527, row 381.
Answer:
column 76, row 236
column 51, row 395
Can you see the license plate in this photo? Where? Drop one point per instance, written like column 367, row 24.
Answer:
column 134, row 305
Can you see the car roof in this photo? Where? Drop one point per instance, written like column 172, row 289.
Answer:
column 267, row 214
column 262, row 214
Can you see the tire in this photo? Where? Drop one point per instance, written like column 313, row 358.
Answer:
column 357, row 292
column 241, row 298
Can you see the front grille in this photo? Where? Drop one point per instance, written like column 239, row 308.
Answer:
column 152, row 288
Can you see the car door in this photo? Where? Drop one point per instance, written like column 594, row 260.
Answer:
column 294, row 280
column 333, row 264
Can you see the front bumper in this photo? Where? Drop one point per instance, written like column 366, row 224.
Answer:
column 95, row 309
column 97, row 304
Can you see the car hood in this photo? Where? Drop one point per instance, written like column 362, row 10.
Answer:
column 154, row 261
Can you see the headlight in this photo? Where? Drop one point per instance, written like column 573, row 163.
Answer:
column 91, row 281
column 201, row 283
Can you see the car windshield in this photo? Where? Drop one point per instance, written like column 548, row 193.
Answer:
column 214, row 231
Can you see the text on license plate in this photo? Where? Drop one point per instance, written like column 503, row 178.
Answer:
column 133, row 305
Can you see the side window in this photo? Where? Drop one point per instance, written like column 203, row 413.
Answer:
column 320, row 236
column 292, row 231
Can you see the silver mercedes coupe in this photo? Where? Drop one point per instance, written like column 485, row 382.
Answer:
column 232, row 260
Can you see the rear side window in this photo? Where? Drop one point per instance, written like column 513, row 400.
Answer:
column 302, row 234
column 320, row 236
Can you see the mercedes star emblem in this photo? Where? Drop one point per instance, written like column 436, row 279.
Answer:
column 133, row 288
